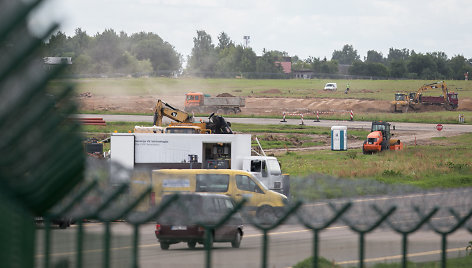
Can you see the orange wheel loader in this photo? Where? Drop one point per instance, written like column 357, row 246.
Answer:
column 379, row 139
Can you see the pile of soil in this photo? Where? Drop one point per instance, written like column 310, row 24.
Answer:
column 272, row 91
column 224, row 95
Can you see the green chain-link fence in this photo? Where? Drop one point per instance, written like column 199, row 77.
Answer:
column 43, row 165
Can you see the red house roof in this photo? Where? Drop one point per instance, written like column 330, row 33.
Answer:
column 286, row 66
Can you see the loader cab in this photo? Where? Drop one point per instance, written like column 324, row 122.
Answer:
column 400, row 97
column 383, row 127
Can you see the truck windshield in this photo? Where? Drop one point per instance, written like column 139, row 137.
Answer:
column 274, row 167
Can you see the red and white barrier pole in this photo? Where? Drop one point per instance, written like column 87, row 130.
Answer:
column 302, row 123
column 283, row 120
column 352, row 115
column 317, row 117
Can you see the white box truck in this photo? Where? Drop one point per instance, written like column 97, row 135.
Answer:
column 183, row 151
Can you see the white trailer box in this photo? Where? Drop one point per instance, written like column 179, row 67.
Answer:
column 338, row 138
column 210, row 151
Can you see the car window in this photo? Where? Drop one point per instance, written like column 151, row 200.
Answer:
column 245, row 183
column 229, row 205
column 216, row 183
column 210, row 205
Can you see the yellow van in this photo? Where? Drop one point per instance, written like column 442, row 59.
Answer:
column 234, row 183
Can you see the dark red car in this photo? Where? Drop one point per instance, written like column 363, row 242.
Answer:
column 182, row 221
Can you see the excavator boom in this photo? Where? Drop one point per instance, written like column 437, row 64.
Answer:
column 163, row 109
column 216, row 124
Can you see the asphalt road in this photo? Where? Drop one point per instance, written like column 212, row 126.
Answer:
column 288, row 244
column 323, row 123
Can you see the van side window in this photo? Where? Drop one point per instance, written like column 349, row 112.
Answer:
column 245, row 183
column 216, row 183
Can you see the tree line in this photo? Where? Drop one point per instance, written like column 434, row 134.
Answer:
column 147, row 53
column 112, row 53
column 403, row 63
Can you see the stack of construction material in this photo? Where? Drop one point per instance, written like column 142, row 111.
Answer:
column 90, row 121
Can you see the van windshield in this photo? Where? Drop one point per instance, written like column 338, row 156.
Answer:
column 274, row 167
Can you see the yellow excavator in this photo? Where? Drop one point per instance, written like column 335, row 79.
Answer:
column 184, row 122
column 414, row 100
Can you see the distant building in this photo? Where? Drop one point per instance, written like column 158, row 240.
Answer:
column 303, row 74
column 286, row 64
column 57, row 60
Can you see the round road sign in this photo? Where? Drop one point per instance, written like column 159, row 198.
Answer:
column 439, row 127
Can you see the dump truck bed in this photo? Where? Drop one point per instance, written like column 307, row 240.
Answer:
column 224, row 101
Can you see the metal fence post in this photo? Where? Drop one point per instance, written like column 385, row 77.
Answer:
column 316, row 230
column 362, row 232
column 265, row 228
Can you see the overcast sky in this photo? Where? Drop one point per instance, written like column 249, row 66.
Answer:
column 299, row 27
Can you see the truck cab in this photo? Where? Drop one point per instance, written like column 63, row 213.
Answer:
column 193, row 101
column 267, row 170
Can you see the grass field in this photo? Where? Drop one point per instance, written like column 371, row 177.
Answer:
column 446, row 163
column 361, row 89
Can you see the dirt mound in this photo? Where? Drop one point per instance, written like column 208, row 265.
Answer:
column 256, row 106
column 272, row 91
column 224, row 95
column 465, row 105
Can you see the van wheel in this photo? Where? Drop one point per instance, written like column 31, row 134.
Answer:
column 191, row 244
column 266, row 214
column 165, row 246
column 237, row 240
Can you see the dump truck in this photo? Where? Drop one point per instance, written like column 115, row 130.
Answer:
column 380, row 139
column 415, row 100
column 222, row 104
